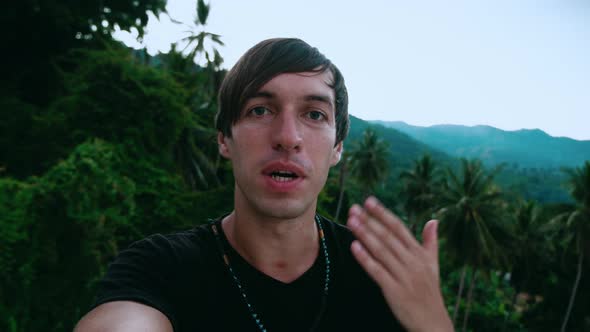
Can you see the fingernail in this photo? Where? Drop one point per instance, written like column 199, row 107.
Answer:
column 356, row 246
column 371, row 202
column 355, row 209
column 435, row 226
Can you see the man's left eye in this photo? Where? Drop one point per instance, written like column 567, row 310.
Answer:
column 316, row 115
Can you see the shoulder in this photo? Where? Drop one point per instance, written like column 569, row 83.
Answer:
column 159, row 270
column 166, row 253
column 174, row 245
column 350, row 275
column 339, row 239
column 338, row 232
column 333, row 225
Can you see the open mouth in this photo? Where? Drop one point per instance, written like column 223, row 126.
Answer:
column 283, row 176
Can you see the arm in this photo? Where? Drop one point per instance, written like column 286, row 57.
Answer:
column 138, row 290
column 406, row 271
column 124, row 316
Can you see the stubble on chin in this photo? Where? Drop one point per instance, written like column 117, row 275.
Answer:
column 277, row 208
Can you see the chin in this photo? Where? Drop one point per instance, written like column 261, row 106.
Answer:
column 283, row 209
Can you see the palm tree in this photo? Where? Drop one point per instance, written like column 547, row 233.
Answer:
column 420, row 188
column 532, row 235
column 196, row 40
column 470, row 216
column 369, row 160
column 577, row 224
column 193, row 162
column 196, row 150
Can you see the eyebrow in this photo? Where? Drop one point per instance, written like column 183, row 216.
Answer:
column 313, row 97
column 321, row 98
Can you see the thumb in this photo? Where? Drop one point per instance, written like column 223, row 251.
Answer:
column 430, row 237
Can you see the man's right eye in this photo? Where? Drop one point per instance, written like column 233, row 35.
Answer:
column 259, row 111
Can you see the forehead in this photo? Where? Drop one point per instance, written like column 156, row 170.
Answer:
column 301, row 84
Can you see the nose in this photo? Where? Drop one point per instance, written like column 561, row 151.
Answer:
column 287, row 132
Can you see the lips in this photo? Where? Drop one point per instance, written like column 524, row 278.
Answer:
column 282, row 169
column 283, row 175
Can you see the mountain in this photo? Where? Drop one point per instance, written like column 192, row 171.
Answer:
column 403, row 148
column 532, row 159
column 527, row 148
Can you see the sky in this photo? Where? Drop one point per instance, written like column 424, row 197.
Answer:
column 504, row 63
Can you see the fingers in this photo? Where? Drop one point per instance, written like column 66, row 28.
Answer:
column 386, row 238
column 375, row 270
column 378, row 241
column 391, row 221
column 405, row 270
column 430, row 238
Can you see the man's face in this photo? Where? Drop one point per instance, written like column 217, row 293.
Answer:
column 283, row 145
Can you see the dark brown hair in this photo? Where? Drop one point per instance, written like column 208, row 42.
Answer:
column 262, row 63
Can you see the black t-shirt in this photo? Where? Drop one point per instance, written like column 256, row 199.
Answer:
column 183, row 276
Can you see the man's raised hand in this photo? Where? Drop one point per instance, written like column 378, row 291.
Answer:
column 406, row 271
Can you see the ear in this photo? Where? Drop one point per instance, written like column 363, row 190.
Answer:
column 222, row 145
column 336, row 153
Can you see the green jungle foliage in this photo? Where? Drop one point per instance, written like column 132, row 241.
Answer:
column 101, row 145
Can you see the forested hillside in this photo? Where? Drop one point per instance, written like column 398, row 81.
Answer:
column 529, row 148
column 404, row 149
column 532, row 160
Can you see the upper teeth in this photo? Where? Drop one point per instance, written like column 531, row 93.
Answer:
column 283, row 176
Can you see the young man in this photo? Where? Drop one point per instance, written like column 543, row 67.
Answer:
column 272, row 264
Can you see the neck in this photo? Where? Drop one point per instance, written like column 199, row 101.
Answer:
column 282, row 249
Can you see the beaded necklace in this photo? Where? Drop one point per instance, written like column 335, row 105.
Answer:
column 255, row 316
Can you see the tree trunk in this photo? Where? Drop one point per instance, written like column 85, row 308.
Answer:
column 469, row 296
column 341, row 194
column 512, row 307
column 459, row 294
column 574, row 291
